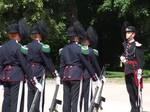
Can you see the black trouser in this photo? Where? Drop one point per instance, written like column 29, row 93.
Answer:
column 31, row 93
column 71, row 96
column 85, row 94
column 12, row 97
column 133, row 92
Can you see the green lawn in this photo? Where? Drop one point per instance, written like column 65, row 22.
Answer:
column 114, row 74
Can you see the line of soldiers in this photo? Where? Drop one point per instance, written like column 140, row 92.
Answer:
column 78, row 66
column 22, row 68
column 24, row 64
column 25, row 67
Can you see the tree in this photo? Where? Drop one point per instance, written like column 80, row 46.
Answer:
column 106, row 16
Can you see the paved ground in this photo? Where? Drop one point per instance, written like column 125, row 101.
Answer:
column 116, row 96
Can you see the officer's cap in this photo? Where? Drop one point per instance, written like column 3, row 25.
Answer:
column 130, row 29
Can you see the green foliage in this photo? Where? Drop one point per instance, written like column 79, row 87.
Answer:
column 98, row 13
column 125, row 7
column 122, row 6
column 115, row 74
column 33, row 10
column 106, row 6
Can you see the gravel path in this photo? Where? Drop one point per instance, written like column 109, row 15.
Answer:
column 116, row 97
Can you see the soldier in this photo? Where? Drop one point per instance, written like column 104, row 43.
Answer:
column 133, row 59
column 72, row 65
column 90, row 40
column 39, row 57
column 13, row 67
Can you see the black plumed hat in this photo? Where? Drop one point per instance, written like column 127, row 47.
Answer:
column 20, row 27
column 41, row 28
column 79, row 29
column 71, row 32
column 92, row 35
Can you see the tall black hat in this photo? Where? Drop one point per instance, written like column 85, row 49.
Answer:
column 20, row 27
column 13, row 28
column 41, row 28
column 71, row 32
column 23, row 28
column 92, row 35
column 79, row 29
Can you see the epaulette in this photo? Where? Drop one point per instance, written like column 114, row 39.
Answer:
column 24, row 49
column 96, row 52
column 60, row 51
column 84, row 49
column 137, row 44
column 45, row 48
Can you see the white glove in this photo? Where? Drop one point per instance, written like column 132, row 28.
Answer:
column 37, row 84
column 57, row 80
column 98, row 83
column 103, row 79
column 1, row 87
column 123, row 59
column 56, row 73
column 139, row 74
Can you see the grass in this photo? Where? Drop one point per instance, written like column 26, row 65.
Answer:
column 115, row 74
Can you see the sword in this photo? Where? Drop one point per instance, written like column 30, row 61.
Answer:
column 139, row 103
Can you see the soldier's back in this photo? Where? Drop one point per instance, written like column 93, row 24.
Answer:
column 34, row 51
column 73, row 65
column 11, row 63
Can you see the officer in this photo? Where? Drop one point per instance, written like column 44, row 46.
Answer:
column 133, row 59
column 13, row 67
column 39, row 57
column 89, row 41
column 72, row 65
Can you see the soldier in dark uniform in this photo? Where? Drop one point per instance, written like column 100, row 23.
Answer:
column 13, row 67
column 72, row 65
column 89, row 41
column 133, row 59
column 39, row 57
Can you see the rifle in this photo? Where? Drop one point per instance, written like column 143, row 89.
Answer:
column 98, row 104
column 91, row 108
column 55, row 101
column 100, row 99
column 36, row 96
column 98, row 93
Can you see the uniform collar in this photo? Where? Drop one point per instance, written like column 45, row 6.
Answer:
column 17, row 41
column 131, row 41
column 37, row 41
